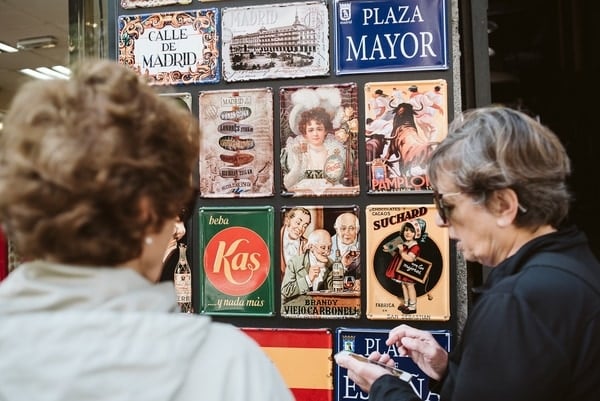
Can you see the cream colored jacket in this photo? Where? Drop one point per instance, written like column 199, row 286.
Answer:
column 84, row 334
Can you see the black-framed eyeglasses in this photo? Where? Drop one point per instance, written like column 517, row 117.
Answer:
column 442, row 209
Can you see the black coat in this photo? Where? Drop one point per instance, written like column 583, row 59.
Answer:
column 534, row 331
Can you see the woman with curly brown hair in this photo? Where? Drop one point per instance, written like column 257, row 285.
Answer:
column 93, row 173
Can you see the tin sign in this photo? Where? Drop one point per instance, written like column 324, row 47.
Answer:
column 302, row 356
column 407, row 265
column 363, row 342
column 390, row 35
column 236, row 144
column 236, row 259
column 172, row 48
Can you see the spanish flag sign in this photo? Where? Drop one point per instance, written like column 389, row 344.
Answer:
column 303, row 357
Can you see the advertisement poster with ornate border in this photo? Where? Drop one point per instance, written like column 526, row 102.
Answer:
column 407, row 263
column 405, row 120
column 310, row 237
column 390, row 35
column 302, row 356
column 236, row 147
column 174, row 48
column 319, row 140
column 273, row 41
column 235, row 247
column 364, row 341
column 151, row 3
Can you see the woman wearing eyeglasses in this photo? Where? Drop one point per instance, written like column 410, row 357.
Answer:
column 533, row 333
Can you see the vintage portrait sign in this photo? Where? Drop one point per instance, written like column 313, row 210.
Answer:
column 390, row 35
column 178, row 47
column 319, row 140
column 407, row 263
column 364, row 341
column 405, row 120
column 316, row 280
column 235, row 247
column 236, row 146
column 302, row 356
column 271, row 41
column 151, row 3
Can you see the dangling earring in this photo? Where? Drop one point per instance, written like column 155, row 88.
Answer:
column 148, row 240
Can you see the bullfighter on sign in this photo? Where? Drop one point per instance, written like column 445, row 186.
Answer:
column 404, row 122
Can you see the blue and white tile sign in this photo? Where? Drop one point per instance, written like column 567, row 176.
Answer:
column 364, row 341
column 390, row 35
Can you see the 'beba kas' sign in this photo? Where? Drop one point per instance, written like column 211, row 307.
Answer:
column 171, row 48
column 390, row 35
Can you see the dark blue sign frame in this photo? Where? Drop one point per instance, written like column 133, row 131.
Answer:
column 364, row 341
column 390, row 35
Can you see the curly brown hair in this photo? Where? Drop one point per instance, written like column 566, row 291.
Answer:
column 78, row 157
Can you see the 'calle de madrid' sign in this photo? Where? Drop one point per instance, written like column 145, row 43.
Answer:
column 390, row 35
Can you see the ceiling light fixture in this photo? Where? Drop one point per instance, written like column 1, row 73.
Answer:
column 7, row 48
column 52, row 73
column 57, row 71
column 62, row 70
column 35, row 74
column 40, row 42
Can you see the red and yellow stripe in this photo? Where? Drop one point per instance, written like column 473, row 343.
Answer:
column 302, row 356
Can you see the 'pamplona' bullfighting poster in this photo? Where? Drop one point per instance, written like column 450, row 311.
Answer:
column 405, row 121
column 407, row 263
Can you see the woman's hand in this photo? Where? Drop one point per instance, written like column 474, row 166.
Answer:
column 422, row 348
column 364, row 374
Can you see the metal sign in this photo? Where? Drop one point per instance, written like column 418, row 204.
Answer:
column 390, row 35
column 363, row 342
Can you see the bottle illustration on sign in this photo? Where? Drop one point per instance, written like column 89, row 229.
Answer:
column 338, row 273
column 183, row 282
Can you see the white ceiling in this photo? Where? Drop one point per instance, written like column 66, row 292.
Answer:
column 20, row 19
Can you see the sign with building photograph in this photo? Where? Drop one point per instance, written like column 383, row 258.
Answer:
column 172, row 48
column 286, row 40
column 389, row 35
column 236, row 145
column 407, row 263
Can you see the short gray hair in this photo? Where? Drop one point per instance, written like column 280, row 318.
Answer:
column 496, row 147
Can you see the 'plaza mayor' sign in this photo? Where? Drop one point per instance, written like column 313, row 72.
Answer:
column 390, row 35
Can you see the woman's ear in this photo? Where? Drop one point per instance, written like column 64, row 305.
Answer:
column 505, row 205
column 147, row 213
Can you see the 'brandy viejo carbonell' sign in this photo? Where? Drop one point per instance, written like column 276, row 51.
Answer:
column 171, row 48
column 390, row 35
